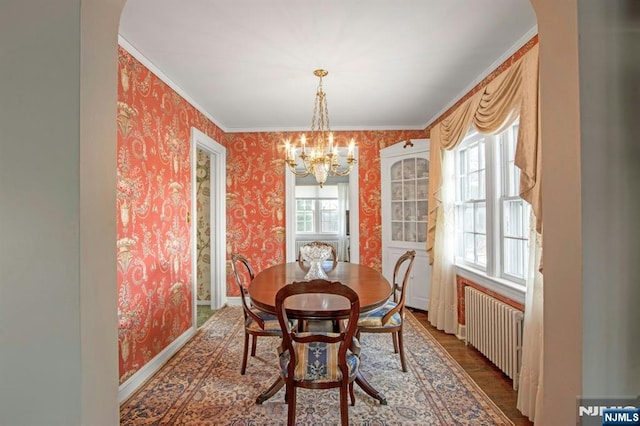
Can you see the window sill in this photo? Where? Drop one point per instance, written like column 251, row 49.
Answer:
column 503, row 287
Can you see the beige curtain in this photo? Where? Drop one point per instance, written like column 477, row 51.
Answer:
column 530, row 389
column 512, row 94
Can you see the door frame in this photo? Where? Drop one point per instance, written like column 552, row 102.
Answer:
column 354, row 213
column 218, row 218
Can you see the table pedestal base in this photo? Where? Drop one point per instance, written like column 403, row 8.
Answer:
column 360, row 381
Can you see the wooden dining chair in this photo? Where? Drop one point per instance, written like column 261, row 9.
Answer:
column 256, row 322
column 319, row 360
column 390, row 318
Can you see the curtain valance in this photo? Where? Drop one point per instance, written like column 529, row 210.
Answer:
column 512, row 94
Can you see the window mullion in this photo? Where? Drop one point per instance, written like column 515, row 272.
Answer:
column 493, row 206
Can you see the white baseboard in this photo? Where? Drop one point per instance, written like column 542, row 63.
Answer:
column 234, row 301
column 126, row 389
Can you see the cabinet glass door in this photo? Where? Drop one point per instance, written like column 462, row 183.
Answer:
column 409, row 193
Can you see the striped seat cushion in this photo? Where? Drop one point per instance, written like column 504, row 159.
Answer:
column 374, row 319
column 318, row 361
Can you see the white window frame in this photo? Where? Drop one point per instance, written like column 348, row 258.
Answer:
column 495, row 152
column 317, row 216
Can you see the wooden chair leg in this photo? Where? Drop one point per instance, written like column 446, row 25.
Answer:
column 395, row 342
column 245, row 353
column 344, row 407
column 401, row 345
column 253, row 345
column 291, row 402
column 351, row 394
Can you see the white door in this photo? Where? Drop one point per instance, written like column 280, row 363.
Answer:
column 405, row 188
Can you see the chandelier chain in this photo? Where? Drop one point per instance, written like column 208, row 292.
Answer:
column 322, row 160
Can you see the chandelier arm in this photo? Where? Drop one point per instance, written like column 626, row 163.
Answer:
column 343, row 172
column 292, row 167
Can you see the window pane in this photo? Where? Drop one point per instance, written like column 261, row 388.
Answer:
column 469, row 250
column 463, row 186
column 482, row 190
column 513, row 215
column 481, row 249
column 474, row 163
column 474, row 186
column 515, row 261
column 481, row 218
column 328, row 216
column 467, row 224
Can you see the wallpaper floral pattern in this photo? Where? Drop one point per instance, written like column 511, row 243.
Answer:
column 153, row 206
column 256, row 194
column 153, row 213
column 203, row 243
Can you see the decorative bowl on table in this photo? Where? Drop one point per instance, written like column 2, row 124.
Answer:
column 315, row 255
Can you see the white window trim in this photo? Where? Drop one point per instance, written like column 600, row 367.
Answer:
column 492, row 277
column 501, row 286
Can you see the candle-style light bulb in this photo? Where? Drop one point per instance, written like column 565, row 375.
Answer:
column 287, row 147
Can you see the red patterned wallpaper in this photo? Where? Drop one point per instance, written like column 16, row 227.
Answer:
column 256, row 194
column 154, row 254
column 153, row 166
column 153, row 206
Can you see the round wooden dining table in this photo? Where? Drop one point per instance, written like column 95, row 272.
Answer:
column 372, row 288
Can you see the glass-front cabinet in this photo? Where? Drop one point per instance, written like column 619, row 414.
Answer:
column 405, row 190
column 409, row 189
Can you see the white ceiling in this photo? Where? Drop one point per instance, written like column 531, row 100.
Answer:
column 248, row 64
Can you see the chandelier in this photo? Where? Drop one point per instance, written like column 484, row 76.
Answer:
column 320, row 159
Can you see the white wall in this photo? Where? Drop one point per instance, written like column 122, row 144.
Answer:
column 58, row 326
column 562, row 244
column 588, row 71
column 609, row 49
column 57, row 227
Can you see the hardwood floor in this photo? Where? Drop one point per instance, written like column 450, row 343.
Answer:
column 490, row 379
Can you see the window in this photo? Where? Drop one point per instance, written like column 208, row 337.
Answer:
column 491, row 220
column 317, row 209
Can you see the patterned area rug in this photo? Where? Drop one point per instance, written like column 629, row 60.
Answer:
column 202, row 385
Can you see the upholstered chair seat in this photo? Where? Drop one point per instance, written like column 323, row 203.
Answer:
column 318, row 361
column 390, row 317
column 256, row 322
column 374, row 319
column 270, row 322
